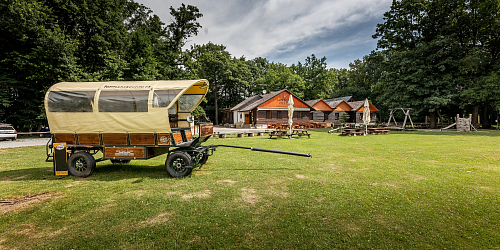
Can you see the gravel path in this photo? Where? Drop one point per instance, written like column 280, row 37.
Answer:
column 24, row 143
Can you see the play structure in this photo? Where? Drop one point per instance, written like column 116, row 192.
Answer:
column 462, row 124
column 406, row 111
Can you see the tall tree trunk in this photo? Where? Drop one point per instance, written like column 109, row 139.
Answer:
column 216, row 107
column 432, row 119
column 440, row 118
column 485, row 119
column 475, row 113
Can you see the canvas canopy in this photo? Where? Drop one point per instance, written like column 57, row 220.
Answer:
column 121, row 107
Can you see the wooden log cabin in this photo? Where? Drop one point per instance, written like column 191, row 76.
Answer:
column 321, row 111
column 271, row 108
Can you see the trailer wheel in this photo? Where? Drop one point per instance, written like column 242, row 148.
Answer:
column 179, row 164
column 119, row 161
column 81, row 164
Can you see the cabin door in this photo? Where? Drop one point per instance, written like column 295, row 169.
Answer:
column 247, row 118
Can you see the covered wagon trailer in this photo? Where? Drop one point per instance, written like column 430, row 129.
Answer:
column 129, row 120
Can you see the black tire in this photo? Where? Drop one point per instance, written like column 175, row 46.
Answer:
column 119, row 161
column 81, row 164
column 176, row 164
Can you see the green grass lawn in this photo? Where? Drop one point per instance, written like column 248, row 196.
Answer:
column 403, row 190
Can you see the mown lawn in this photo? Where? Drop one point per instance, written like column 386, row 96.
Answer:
column 404, row 190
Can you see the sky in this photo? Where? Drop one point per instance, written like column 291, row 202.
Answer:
column 285, row 31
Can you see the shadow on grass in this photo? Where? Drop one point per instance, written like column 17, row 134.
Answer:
column 113, row 172
column 487, row 133
column 253, row 169
column 108, row 172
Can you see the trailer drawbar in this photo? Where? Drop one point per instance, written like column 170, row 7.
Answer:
column 213, row 147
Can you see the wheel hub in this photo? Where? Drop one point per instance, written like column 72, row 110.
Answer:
column 178, row 165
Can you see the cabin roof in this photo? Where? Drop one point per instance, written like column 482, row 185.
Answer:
column 312, row 102
column 345, row 99
column 255, row 101
column 334, row 104
column 359, row 104
column 356, row 105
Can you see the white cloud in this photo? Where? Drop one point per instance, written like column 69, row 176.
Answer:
column 272, row 28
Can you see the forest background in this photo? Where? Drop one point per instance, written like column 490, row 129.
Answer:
column 438, row 57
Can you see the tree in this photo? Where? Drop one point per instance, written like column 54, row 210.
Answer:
column 437, row 51
column 48, row 41
column 317, row 78
column 211, row 62
column 279, row 76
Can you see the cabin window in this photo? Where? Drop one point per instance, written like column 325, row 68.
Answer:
column 279, row 115
column 299, row 115
column 71, row 101
column 268, row 115
column 163, row 98
column 124, row 101
column 188, row 102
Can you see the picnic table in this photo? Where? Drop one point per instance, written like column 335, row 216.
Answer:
column 352, row 131
column 300, row 133
column 377, row 131
column 279, row 134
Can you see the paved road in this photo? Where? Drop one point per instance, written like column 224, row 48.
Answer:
column 24, row 142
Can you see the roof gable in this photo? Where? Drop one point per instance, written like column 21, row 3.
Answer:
column 320, row 105
column 359, row 106
column 339, row 105
column 281, row 101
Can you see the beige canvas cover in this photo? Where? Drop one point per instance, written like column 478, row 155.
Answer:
column 91, row 120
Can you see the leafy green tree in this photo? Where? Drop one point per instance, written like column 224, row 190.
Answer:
column 279, row 76
column 258, row 68
column 318, row 80
column 48, row 41
column 211, row 62
column 439, row 55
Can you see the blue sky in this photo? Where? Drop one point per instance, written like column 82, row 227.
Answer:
column 286, row 31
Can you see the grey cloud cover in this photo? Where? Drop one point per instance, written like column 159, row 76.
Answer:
column 286, row 31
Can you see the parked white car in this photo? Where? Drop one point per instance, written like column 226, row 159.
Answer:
column 7, row 132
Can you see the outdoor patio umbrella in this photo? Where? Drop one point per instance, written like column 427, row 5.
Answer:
column 290, row 112
column 366, row 115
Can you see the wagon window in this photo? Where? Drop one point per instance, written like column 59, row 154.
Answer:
column 71, row 101
column 124, row 101
column 188, row 102
column 163, row 98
